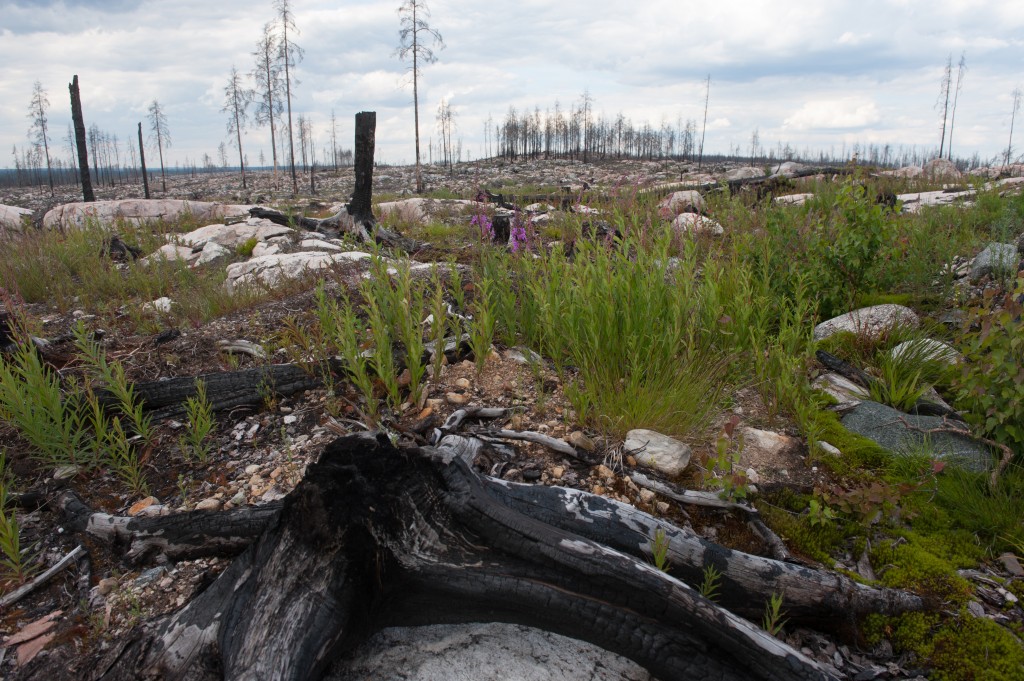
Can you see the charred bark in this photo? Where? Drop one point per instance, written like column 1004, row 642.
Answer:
column 83, row 153
column 376, row 536
column 142, row 160
column 360, row 207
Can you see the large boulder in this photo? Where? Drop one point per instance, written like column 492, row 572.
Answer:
column 688, row 201
column 868, row 321
column 915, row 201
column 787, row 169
column 940, row 168
column 691, row 223
column 271, row 269
column 997, row 259
column 473, row 652
column 907, row 433
column 233, row 236
column 744, row 173
column 657, row 451
column 907, row 172
column 13, row 218
column 793, row 199
column 138, row 211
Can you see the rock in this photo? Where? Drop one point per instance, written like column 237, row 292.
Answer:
column 138, row 506
column 764, row 446
column 106, row 585
column 829, row 448
column 647, row 496
column 419, row 210
column 238, row 499
column 928, row 349
column 793, row 199
column 744, row 173
column 899, row 433
column 463, row 383
column 691, row 223
column 210, row 504
column 580, row 441
column 840, row 387
column 657, row 451
column 211, row 252
column 1011, row 564
column 234, row 235
column 557, row 472
column 689, row 201
column 161, row 305
column 476, row 652
column 171, row 252
column 940, row 168
column 270, row 269
column 524, row 356
column 290, row 419
column 787, row 169
column 868, row 321
column 976, row 608
column 912, row 203
column 662, row 507
column 997, row 259
column 457, row 399
column 66, row 472
column 137, row 211
column 12, row 218
column 908, row 172
column 319, row 245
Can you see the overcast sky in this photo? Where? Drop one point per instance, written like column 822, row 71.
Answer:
column 814, row 74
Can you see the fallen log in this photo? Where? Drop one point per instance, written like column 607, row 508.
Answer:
column 376, row 536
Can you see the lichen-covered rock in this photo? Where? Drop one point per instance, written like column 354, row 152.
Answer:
column 868, row 321
column 657, row 451
column 691, row 223
column 689, row 200
column 137, row 211
column 271, row 269
column 12, row 218
column 997, row 259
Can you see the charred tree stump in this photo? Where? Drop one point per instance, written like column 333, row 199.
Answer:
column 376, row 536
column 360, row 207
column 83, row 153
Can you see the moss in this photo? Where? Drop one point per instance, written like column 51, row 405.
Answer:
column 912, row 565
column 858, row 452
column 817, row 542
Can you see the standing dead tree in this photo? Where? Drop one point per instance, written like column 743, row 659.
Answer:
column 159, row 133
column 960, row 71
column 414, row 15
column 704, row 127
column 1013, row 115
column 289, row 55
column 83, row 153
column 268, row 87
column 39, row 130
column 237, row 98
column 142, row 160
column 942, row 103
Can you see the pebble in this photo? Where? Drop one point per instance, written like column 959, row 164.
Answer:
column 604, row 472
column 106, row 585
column 1011, row 564
column 598, row 490
column 276, row 473
column 66, row 472
column 630, row 461
column 252, row 468
column 662, row 506
column 138, row 506
column 647, row 496
column 463, row 383
column 210, row 504
column 238, row 499
column 557, row 472
column 290, row 419
column 457, row 399
column 580, row 441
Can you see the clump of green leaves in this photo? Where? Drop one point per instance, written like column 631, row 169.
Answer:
column 16, row 560
column 990, row 386
column 246, row 248
column 773, row 621
column 659, row 550
column 199, row 414
column 711, row 583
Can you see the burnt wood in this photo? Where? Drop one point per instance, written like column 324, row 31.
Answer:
column 377, row 536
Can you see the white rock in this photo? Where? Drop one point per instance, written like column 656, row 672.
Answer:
column 941, row 168
column 691, row 223
column 212, row 251
column 161, row 305
column 657, row 451
column 760, row 445
column 210, row 504
column 868, row 321
column 680, row 201
column 233, row 236
column 265, row 248
column 840, row 387
column 744, row 173
column 788, row 169
column 270, row 269
column 793, row 199
column 929, row 348
column 828, row 448
column 137, row 211
column 12, row 218
column 171, row 252
column 318, row 245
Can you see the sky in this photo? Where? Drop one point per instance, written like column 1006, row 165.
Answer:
column 821, row 74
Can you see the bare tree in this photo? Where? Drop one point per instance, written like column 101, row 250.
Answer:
column 704, row 127
column 961, row 69
column 334, row 141
column 159, row 132
column 39, row 128
column 290, row 54
column 1013, row 115
column 267, row 75
column 586, row 103
column 444, row 128
column 943, row 101
column 414, row 15
column 237, row 98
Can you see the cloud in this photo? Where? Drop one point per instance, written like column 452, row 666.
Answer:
column 834, row 114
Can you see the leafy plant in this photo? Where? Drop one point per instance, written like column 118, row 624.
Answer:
column 711, row 583
column 199, row 414
column 990, row 385
column 773, row 621
column 17, row 561
column 659, row 550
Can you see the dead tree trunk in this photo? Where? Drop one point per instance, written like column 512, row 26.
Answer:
column 360, row 207
column 376, row 536
column 142, row 158
column 83, row 154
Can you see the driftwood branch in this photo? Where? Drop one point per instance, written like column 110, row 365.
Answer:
column 38, row 581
